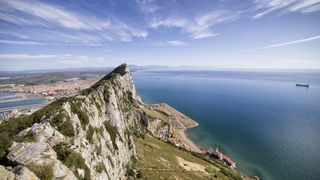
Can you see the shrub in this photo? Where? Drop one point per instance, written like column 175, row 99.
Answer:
column 101, row 167
column 66, row 128
column 63, row 123
column 130, row 171
column 232, row 175
column 29, row 137
column 110, row 160
column 90, row 133
column 12, row 127
column 113, row 132
column 71, row 159
column 76, row 109
column 99, row 150
column 44, row 172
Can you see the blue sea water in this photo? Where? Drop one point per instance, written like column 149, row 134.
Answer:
column 13, row 103
column 261, row 119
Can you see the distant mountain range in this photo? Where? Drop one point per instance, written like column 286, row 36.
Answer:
column 92, row 69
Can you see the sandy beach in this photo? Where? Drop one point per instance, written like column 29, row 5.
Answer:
column 182, row 135
column 180, row 124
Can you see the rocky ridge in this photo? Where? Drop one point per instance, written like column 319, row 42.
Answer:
column 89, row 136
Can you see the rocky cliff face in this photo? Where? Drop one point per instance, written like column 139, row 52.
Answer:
column 89, row 136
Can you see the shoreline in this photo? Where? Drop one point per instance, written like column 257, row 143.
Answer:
column 180, row 123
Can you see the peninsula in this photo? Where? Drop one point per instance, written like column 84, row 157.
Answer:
column 105, row 132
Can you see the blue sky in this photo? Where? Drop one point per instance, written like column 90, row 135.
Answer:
column 207, row 33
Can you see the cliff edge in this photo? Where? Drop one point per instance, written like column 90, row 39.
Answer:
column 88, row 136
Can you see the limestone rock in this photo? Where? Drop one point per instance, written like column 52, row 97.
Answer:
column 44, row 132
column 23, row 173
column 5, row 174
column 37, row 153
column 105, row 119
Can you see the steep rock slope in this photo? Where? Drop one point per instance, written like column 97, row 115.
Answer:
column 88, row 136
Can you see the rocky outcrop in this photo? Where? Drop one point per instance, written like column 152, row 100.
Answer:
column 89, row 136
column 6, row 174
column 23, row 173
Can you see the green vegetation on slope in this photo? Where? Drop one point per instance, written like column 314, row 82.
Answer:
column 76, row 109
column 160, row 160
column 113, row 132
column 43, row 172
column 63, row 123
column 12, row 127
column 71, row 159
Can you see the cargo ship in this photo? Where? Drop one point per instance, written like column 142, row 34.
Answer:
column 303, row 85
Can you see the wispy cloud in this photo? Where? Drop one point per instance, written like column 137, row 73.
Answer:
column 40, row 16
column 175, row 43
column 53, row 14
column 20, row 42
column 40, row 56
column 147, row 6
column 198, row 27
column 285, row 6
column 288, row 43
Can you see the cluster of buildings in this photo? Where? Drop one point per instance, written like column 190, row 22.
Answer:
column 216, row 154
column 61, row 88
column 9, row 114
column 173, row 139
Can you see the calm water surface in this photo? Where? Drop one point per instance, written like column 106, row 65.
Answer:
column 16, row 100
column 261, row 119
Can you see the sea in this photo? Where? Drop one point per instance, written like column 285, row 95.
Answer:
column 261, row 119
column 12, row 100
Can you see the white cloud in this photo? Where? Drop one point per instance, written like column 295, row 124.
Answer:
column 55, row 14
column 311, row 9
column 203, row 34
column 176, row 43
column 66, row 59
column 20, row 42
column 169, row 22
column 44, row 17
column 286, row 6
column 147, row 6
column 288, row 43
column 198, row 27
column 37, row 56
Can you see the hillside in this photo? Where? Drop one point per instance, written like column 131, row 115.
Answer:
column 106, row 132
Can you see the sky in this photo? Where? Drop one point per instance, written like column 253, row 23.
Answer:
column 257, row 34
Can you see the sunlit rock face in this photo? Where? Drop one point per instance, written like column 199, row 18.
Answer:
column 87, row 136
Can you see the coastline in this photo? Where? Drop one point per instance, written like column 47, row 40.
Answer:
column 180, row 123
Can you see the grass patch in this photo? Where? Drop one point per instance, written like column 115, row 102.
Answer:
column 71, row 159
column 29, row 137
column 156, row 154
column 99, row 150
column 110, row 160
column 90, row 133
column 44, row 172
column 9, row 129
column 76, row 109
column 101, row 167
column 63, row 123
column 113, row 132
column 153, row 114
